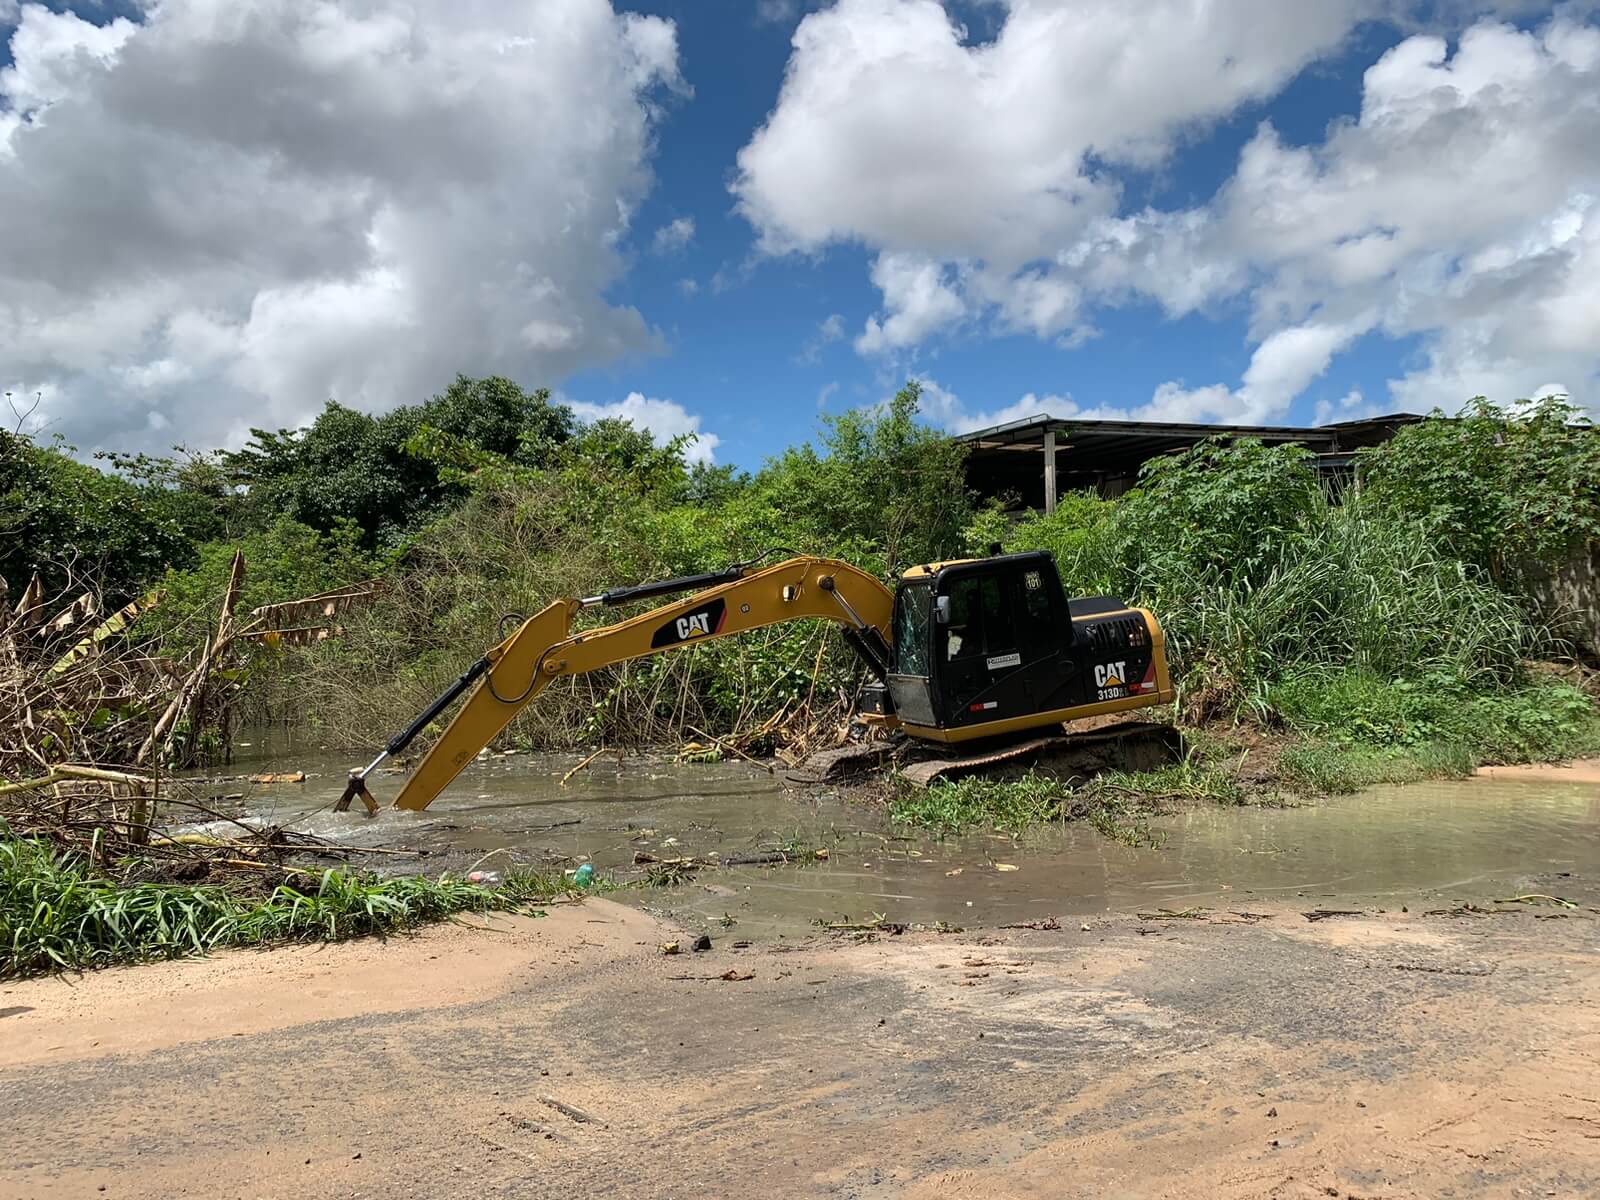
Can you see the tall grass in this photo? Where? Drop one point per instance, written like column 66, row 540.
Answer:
column 1351, row 590
column 503, row 552
column 58, row 913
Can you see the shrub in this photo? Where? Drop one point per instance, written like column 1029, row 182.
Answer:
column 1494, row 486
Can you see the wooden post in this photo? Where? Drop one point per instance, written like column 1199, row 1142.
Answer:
column 139, row 818
column 1049, row 470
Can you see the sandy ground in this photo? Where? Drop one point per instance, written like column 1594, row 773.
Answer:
column 1582, row 770
column 1386, row 1056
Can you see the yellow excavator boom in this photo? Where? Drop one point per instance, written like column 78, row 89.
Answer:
column 544, row 648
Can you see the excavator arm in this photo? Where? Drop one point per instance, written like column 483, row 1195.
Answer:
column 544, row 649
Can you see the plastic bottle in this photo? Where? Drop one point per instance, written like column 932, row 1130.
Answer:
column 584, row 875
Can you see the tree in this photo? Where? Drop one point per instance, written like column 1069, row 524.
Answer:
column 884, row 488
column 73, row 523
column 349, row 465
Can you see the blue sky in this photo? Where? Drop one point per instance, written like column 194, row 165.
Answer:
column 1249, row 212
column 740, row 355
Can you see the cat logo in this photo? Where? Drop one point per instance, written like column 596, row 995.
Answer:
column 1110, row 678
column 696, row 623
column 1110, row 674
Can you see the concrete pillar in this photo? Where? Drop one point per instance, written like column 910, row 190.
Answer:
column 1050, row 470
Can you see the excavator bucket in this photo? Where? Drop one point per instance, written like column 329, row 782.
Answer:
column 357, row 787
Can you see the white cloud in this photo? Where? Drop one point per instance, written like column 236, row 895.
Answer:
column 1460, row 207
column 226, row 214
column 777, row 12
column 942, row 407
column 825, row 393
column 892, row 130
column 919, row 299
column 1352, row 406
column 674, row 236
column 665, row 420
column 689, row 286
column 829, row 331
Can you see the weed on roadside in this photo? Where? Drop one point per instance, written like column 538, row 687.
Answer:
column 57, row 912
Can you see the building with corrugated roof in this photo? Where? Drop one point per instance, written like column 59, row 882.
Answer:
column 1039, row 458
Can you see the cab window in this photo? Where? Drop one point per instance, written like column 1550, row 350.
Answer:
column 911, row 607
column 979, row 623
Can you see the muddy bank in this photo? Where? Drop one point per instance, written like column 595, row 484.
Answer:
column 1406, row 1056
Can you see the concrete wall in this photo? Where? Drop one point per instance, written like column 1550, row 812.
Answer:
column 1570, row 595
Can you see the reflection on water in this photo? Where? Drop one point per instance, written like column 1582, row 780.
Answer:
column 1428, row 844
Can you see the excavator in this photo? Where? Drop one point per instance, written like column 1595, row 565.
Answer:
column 971, row 652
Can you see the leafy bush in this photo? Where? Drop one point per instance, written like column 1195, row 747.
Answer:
column 1328, row 769
column 1494, row 487
column 1089, row 539
column 953, row 806
column 284, row 561
column 1257, row 575
column 72, row 523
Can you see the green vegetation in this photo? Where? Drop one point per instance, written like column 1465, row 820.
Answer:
column 1494, row 489
column 1117, row 804
column 58, row 912
column 1386, row 626
column 954, row 806
column 58, row 514
column 1327, row 768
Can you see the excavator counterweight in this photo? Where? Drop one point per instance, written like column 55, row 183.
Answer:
column 964, row 650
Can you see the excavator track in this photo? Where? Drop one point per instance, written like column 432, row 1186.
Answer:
column 1081, row 750
column 1069, row 755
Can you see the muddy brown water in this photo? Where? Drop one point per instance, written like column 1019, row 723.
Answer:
column 1431, row 844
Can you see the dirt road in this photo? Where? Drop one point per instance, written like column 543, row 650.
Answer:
column 1396, row 1056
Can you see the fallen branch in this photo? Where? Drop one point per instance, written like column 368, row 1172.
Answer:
column 567, row 1110
column 74, row 771
column 581, row 766
column 28, row 785
column 1538, row 898
column 195, row 684
column 722, row 744
column 1322, row 914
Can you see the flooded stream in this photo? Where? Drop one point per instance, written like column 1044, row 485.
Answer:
column 1429, row 844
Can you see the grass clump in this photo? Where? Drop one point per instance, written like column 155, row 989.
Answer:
column 1117, row 804
column 1330, row 768
column 57, row 912
column 953, row 806
column 1188, row 780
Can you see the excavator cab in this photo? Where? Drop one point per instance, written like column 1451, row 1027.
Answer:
column 988, row 647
